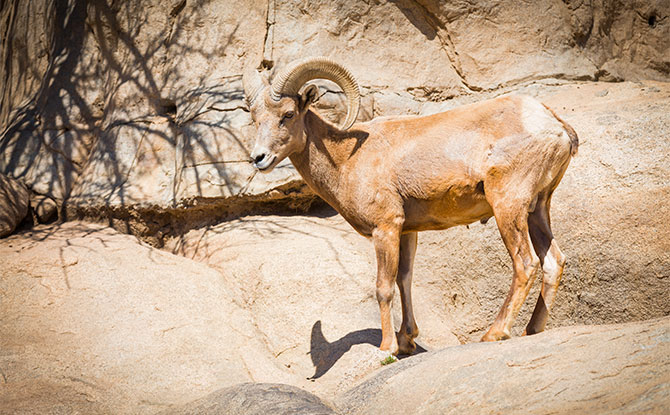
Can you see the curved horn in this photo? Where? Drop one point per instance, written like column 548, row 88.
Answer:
column 298, row 73
column 253, row 83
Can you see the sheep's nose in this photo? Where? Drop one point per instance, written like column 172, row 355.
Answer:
column 262, row 159
column 259, row 158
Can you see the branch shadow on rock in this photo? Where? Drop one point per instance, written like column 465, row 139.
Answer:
column 101, row 95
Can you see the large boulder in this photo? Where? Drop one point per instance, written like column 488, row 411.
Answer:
column 14, row 200
column 96, row 322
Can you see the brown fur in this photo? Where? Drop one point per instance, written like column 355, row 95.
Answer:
column 392, row 177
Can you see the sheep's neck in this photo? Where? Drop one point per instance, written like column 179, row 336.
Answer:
column 320, row 162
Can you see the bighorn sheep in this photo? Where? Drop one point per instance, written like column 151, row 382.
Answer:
column 394, row 176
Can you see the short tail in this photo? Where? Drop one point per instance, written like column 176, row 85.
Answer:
column 574, row 139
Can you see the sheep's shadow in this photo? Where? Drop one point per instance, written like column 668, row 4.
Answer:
column 325, row 354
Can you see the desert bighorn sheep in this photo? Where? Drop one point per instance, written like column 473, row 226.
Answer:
column 394, row 176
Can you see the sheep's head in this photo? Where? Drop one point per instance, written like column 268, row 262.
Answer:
column 278, row 108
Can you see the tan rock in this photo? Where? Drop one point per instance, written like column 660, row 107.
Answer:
column 97, row 322
column 100, row 323
column 309, row 284
column 133, row 113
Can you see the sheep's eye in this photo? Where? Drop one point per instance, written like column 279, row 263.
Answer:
column 287, row 116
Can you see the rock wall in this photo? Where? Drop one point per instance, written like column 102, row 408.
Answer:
column 133, row 111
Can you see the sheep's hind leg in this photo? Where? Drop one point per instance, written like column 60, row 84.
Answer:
column 552, row 260
column 513, row 226
column 387, row 247
column 408, row 329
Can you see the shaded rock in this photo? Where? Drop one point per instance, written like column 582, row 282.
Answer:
column 617, row 369
column 49, row 106
column 256, row 399
column 36, row 158
column 14, row 199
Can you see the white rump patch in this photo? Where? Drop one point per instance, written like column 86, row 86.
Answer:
column 537, row 120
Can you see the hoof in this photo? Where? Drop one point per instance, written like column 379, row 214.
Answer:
column 390, row 348
column 492, row 336
column 531, row 331
column 406, row 345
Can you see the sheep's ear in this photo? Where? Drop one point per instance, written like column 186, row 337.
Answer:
column 309, row 96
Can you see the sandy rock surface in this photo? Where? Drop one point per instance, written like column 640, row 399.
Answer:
column 309, row 283
column 14, row 200
column 96, row 321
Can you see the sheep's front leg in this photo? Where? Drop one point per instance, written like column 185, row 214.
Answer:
column 387, row 248
column 408, row 329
